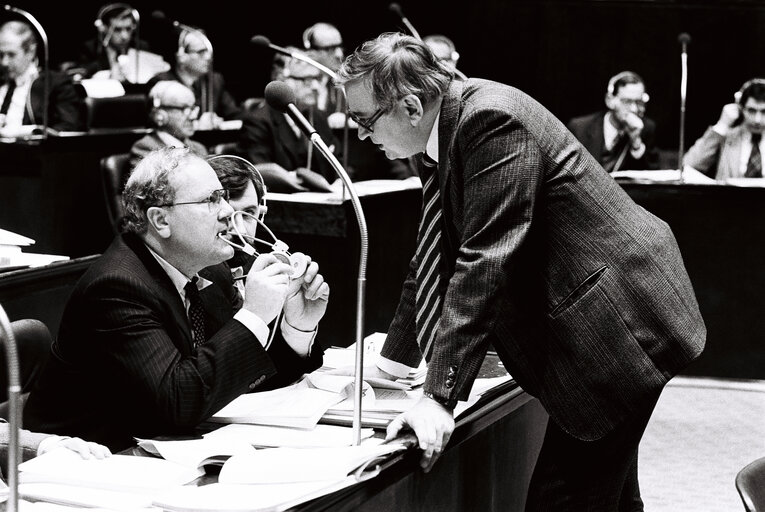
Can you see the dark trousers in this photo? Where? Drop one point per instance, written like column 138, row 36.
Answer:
column 602, row 475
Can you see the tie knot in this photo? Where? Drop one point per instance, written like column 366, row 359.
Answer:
column 191, row 286
column 756, row 137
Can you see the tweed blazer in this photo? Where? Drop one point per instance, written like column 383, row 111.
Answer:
column 582, row 292
column 716, row 155
column 589, row 130
column 124, row 364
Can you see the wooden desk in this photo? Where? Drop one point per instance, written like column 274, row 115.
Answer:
column 721, row 233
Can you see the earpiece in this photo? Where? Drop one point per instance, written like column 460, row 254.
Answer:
column 182, row 42
column 738, row 95
column 442, row 39
column 307, row 34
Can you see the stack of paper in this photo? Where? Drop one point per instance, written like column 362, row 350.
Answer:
column 263, row 436
column 11, row 255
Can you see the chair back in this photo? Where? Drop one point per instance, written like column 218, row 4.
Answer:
column 750, row 483
column 115, row 170
column 33, row 342
column 130, row 111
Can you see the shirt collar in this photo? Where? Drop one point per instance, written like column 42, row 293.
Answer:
column 177, row 278
column 431, row 149
column 28, row 76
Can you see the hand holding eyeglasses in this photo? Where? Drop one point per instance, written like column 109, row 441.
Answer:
column 266, row 286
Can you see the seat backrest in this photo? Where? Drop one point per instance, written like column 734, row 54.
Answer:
column 121, row 112
column 750, row 483
column 33, row 342
column 115, row 170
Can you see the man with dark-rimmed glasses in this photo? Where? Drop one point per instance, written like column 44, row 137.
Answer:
column 149, row 344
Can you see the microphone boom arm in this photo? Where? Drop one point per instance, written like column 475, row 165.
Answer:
column 14, row 416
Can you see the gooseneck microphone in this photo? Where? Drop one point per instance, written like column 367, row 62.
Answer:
column 14, row 410
column 396, row 9
column 263, row 41
column 280, row 97
column 683, row 39
column 208, row 103
column 46, row 62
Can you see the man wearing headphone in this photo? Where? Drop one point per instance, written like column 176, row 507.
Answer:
column 173, row 115
column 116, row 25
column 443, row 48
column 192, row 66
column 325, row 44
column 621, row 137
column 732, row 148
column 22, row 86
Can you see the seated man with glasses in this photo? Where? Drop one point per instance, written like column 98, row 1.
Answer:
column 271, row 140
column 193, row 61
column 621, row 137
column 173, row 116
column 149, row 344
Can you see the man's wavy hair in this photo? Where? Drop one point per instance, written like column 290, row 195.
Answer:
column 396, row 65
column 149, row 185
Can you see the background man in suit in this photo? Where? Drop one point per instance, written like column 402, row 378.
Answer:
column 173, row 113
column 192, row 65
column 23, row 91
column 116, row 24
column 622, row 137
column 272, row 141
column 148, row 345
column 733, row 147
column 526, row 245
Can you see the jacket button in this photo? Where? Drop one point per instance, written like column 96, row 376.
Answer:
column 449, row 383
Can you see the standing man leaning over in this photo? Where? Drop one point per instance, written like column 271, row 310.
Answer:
column 621, row 137
column 147, row 346
column 527, row 245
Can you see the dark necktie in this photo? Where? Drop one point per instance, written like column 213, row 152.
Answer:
column 428, row 300
column 754, row 165
column 196, row 312
column 8, row 96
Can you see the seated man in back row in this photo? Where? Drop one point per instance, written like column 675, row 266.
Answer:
column 149, row 344
column 173, row 114
column 733, row 147
column 621, row 137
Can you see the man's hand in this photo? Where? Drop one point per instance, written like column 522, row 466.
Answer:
column 87, row 450
column 730, row 113
column 208, row 121
column 266, row 287
column 308, row 297
column 431, row 422
column 633, row 127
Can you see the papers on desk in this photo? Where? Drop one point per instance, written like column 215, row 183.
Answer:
column 690, row 175
column 363, row 188
column 197, row 453
column 12, row 256
column 263, row 436
column 149, row 64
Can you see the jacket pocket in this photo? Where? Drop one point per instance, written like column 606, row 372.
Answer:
column 579, row 291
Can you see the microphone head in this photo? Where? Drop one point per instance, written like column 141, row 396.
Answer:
column 395, row 8
column 260, row 40
column 684, row 38
column 279, row 95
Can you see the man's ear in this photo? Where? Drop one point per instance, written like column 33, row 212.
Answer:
column 158, row 221
column 610, row 101
column 159, row 117
column 413, row 107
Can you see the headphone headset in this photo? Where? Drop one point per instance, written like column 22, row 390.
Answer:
column 622, row 76
column 307, row 34
column 182, row 41
column 439, row 38
column 262, row 207
column 106, row 9
column 744, row 88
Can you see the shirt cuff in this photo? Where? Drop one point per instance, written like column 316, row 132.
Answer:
column 254, row 323
column 48, row 443
column 721, row 129
column 299, row 341
column 396, row 369
column 638, row 153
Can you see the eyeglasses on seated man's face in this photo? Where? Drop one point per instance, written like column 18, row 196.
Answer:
column 214, row 200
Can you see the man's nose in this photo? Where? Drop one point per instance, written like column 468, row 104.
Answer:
column 225, row 211
column 363, row 133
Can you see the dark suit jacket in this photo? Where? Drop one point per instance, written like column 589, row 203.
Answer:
column 582, row 292
column 124, row 364
column 223, row 103
column 93, row 56
column 267, row 137
column 589, row 130
column 66, row 109
column 150, row 142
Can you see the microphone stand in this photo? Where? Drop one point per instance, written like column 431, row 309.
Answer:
column 684, row 38
column 46, row 62
column 14, row 417
column 361, row 283
column 137, row 37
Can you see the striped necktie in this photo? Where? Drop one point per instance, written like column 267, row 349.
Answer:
column 428, row 253
column 8, row 96
column 754, row 165
column 196, row 312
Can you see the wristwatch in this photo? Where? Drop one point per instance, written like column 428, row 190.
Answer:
column 449, row 404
